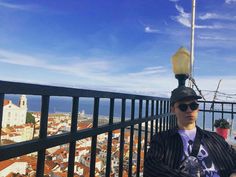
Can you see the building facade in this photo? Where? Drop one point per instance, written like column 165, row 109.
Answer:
column 14, row 114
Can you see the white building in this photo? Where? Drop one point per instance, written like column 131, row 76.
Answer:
column 13, row 167
column 13, row 114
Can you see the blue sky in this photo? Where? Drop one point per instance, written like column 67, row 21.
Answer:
column 122, row 46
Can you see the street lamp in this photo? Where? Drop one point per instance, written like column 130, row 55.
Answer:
column 181, row 65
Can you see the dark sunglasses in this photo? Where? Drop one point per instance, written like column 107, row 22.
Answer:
column 193, row 106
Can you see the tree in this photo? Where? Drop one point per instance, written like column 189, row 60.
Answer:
column 30, row 118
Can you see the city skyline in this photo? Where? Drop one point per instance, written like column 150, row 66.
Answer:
column 117, row 45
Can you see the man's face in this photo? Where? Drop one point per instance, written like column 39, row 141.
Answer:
column 186, row 117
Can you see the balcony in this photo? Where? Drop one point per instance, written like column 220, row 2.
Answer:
column 136, row 118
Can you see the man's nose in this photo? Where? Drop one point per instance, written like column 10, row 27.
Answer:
column 189, row 109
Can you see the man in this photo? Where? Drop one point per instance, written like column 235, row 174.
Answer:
column 188, row 150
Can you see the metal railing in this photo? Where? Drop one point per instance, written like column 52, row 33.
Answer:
column 153, row 112
column 213, row 110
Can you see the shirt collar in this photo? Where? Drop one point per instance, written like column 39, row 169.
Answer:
column 174, row 131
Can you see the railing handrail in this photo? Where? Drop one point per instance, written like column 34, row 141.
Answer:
column 7, row 87
column 217, row 102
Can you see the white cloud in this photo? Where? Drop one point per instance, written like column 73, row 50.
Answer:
column 84, row 68
column 230, row 1
column 148, row 29
column 216, row 38
column 14, row 6
column 183, row 17
column 19, row 59
column 174, row 0
column 149, row 71
column 97, row 75
column 91, row 74
column 214, row 26
column 209, row 16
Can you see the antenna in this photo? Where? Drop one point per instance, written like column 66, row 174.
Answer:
column 214, row 98
column 194, row 83
column 192, row 42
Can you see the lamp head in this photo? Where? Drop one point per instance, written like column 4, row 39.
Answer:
column 181, row 65
column 181, row 61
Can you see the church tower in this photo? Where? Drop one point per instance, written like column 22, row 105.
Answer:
column 23, row 102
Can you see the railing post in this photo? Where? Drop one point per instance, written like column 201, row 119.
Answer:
column 1, row 115
column 157, row 112
column 222, row 110
column 139, row 138
column 213, row 116
column 204, row 115
column 74, row 123
column 146, row 129
column 161, row 111
column 232, row 118
column 94, row 138
column 152, row 114
column 122, row 139
column 164, row 121
column 167, row 118
column 43, row 135
column 109, row 141
column 131, row 139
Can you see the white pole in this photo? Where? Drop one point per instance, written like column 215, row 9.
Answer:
column 192, row 41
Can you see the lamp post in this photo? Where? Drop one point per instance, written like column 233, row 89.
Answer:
column 181, row 65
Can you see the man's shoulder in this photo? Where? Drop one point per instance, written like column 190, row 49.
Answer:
column 166, row 133
column 211, row 134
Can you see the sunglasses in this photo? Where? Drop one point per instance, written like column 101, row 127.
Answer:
column 193, row 106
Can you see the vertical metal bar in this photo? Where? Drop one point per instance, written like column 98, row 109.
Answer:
column 152, row 114
column 157, row 112
column 146, row 129
column 139, row 138
column 74, row 121
column 42, row 134
column 222, row 110
column 131, row 139
column 172, row 123
column 160, row 125
column 1, row 115
column 122, row 139
column 167, row 118
column 164, row 121
column 213, row 116
column 204, row 116
column 109, row 141
column 94, row 138
column 232, row 118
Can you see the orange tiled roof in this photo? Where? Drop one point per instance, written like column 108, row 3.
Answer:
column 61, row 174
column 6, row 102
column 49, row 165
column 4, row 164
column 86, row 169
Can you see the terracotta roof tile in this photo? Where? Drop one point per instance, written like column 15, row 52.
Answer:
column 4, row 164
column 6, row 102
